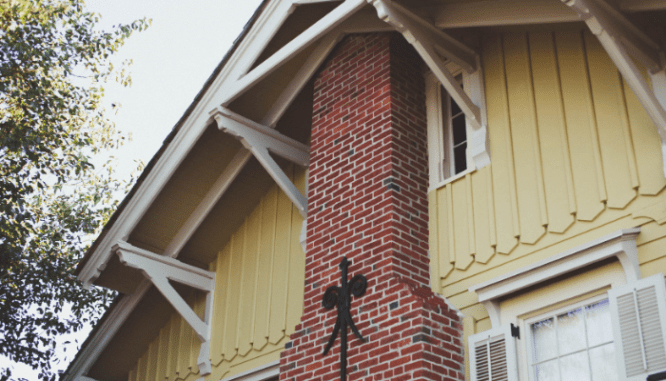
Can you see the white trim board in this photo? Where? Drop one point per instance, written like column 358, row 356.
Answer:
column 621, row 244
column 259, row 373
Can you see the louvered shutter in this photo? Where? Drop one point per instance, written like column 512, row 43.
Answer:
column 639, row 316
column 492, row 355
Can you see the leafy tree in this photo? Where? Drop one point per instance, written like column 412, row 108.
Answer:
column 53, row 63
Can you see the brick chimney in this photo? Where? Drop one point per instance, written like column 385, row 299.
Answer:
column 368, row 202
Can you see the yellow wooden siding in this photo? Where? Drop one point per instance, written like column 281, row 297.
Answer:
column 569, row 142
column 258, row 298
column 574, row 157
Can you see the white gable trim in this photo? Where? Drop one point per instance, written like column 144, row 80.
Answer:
column 621, row 244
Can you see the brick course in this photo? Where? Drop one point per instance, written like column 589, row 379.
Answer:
column 367, row 201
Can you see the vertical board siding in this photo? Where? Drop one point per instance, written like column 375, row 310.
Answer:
column 527, row 162
column 504, row 187
column 608, row 103
column 647, row 146
column 581, row 124
column 552, row 132
column 258, row 295
column 569, row 141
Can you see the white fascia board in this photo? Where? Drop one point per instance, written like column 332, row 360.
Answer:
column 496, row 13
column 260, row 373
column 518, row 12
column 103, row 335
column 621, row 244
column 641, row 5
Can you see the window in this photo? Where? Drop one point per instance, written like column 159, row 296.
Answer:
column 574, row 344
column 447, row 133
column 578, row 315
column 454, row 131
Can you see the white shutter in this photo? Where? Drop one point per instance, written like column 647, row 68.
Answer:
column 639, row 313
column 492, row 355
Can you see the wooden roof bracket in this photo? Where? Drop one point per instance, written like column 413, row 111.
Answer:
column 293, row 47
column 432, row 44
column 160, row 270
column 620, row 38
column 261, row 140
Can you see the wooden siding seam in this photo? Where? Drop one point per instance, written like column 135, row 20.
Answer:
column 628, row 138
column 492, row 229
column 601, row 182
column 470, row 217
column 565, row 138
column 269, row 300
column 541, row 191
column 511, row 170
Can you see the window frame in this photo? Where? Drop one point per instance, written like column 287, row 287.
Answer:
column 440, row 132
column 525, row 353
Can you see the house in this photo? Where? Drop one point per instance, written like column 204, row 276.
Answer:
column 495, row 169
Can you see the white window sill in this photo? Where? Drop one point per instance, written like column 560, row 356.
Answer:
column 451, row 179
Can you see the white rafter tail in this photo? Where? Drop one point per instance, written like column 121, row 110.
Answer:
column 159, row 270
column 295, row 46
column 260, row 140
column 304, row 74
column 407, row 23
column 600, row 17
column 214, row 194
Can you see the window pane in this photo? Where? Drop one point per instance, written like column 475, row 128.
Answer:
column 459, row 132
column 460, row 157
column 575, row 367
column 544, row 343
column 455, row 109
column 547, row 371
column 602, row 360
column 571, row 331
column 599, row 328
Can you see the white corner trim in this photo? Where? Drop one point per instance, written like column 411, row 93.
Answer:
column 260, row 140
column 159, row 270
column 260, row 373
column 621, row 244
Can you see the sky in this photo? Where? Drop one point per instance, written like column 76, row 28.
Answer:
column 171, row 61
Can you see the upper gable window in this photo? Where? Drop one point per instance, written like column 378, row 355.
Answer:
column 454, row 130
column 450, row 132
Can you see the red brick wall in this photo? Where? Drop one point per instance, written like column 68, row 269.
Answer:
column 367, row 201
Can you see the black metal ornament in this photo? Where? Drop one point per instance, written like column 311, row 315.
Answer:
column 341, row 297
